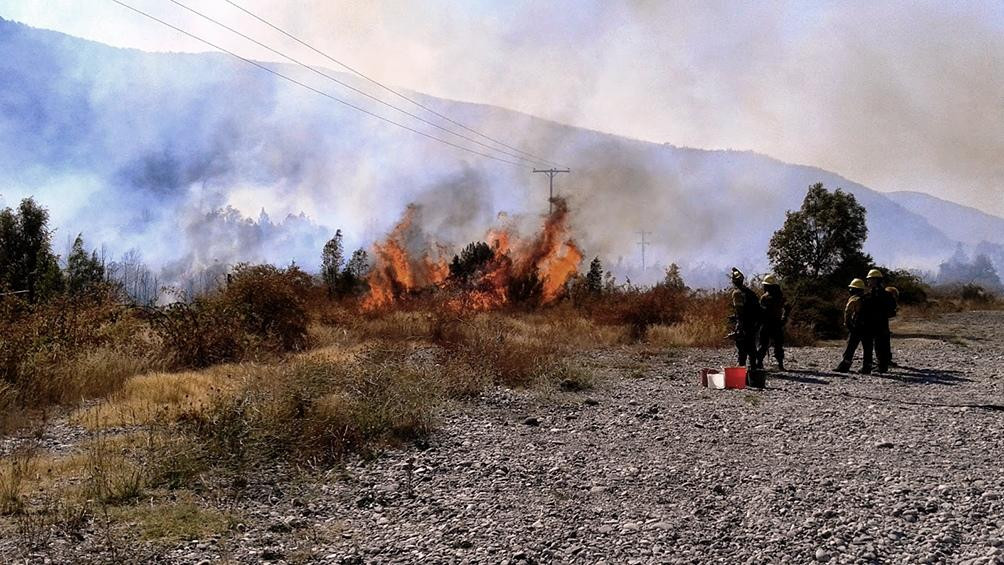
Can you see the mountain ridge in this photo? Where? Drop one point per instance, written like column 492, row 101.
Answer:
column 156, row 141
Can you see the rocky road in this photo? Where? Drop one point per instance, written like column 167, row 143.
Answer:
column 649, row 467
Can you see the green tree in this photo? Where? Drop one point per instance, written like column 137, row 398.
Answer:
column 83, row 271
column 825, row 234
column 471, row 259
column 594, row 278
column 26, row 259
column 353, row 276
column 332, row 259
column 673, row 279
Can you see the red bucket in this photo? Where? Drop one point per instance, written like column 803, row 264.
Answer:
column 735, row 377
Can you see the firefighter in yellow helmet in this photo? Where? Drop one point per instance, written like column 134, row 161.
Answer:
column 880, row 305
column 746, row 315
column 775, row 316
column 858, row 328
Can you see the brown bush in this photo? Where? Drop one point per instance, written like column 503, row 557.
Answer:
column 319, row 409
column 269, row 303
column 639, row 309
column 68, row 348
column 200, row 333
column 261, row 310
column 497, row 348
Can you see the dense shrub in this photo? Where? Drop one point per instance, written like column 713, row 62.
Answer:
column 975, row 293
column 912, row 290
column 261, row 309
column 639, row 309
column 200, row 333
column 318, row 409
column 269, row 303
column 69, row 347
column 500, row 349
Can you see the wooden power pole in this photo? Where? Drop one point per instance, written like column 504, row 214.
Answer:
column 643, row 243
column 550, row 178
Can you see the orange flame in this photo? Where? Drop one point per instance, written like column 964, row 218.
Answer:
column 551, row 255
column 395, row 272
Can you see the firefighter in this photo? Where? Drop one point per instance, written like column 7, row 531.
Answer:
column 858, row 329
column 746, row 314
column 880, row 305
column 775, row 316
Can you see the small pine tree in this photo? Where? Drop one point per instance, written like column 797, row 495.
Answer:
column 353, row 277
column 594, row 278
column 472, row 258
column 332, row 259
column 83, row 271
column 673, row 279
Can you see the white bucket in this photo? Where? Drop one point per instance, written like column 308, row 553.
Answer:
column 716, row 380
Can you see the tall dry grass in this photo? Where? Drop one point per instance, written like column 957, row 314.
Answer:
column 71, row 348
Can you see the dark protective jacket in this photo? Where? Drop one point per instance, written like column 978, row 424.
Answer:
column 878, row 306
column 746, row 306
column 774, row 307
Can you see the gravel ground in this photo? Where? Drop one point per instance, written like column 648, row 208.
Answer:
column 651, row 468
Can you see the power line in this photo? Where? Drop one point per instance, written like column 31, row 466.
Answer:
column 349, row 86
column 387, row 88
column 312, row 89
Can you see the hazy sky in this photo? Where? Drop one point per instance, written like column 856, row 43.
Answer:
column 898, row 96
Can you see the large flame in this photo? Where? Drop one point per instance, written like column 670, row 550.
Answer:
column 550, row 257
column 396, row 272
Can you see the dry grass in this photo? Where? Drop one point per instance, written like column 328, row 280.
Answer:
column 175, row 521
column 98, row 372
column 16, row 472
column 316, row 407
column 66, row 350
column 153, row 397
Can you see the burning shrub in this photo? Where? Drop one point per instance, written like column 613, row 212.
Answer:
column 484, row 276
column 472, row 259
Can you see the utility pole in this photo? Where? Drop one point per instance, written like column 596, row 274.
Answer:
column 643, row 243
column 550, row 177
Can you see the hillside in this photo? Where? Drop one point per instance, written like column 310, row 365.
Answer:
column 962, row 223
column 134, row 150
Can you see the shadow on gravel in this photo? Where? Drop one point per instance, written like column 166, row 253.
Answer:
column 914, row 375
column 947, row 338
column 802, row 376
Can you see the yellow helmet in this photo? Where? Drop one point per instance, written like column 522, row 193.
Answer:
column 857, row 283
column 893, row 291
column 737, row 275
column 874, row 274
column 770, row 280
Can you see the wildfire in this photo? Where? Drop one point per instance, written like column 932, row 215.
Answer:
column 529, row 269
column 396, row 272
